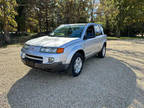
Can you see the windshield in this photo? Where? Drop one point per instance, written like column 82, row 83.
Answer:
column 68, row 31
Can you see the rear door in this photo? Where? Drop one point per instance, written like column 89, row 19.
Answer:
column 102, row 37
column 98, row 38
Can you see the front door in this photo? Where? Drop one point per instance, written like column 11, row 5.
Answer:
column 90, row 41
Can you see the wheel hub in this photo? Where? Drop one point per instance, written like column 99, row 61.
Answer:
column 78, row 65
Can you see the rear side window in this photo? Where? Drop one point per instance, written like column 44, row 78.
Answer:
column 97, row 30
column 101, row 28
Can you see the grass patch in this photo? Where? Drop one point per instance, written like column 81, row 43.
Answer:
column 123, row 38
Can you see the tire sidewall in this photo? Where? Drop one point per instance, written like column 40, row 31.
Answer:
column 102, row 51
column 73, row 62
column 100, row 54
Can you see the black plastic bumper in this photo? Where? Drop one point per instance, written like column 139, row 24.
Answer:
column 48, row 67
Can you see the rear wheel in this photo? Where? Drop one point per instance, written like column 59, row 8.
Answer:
column 76, row 64
column 102, row 53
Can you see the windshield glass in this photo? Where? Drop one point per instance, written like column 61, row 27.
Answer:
column 68, row 31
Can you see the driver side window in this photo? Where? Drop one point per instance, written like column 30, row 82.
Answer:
column 90, row 33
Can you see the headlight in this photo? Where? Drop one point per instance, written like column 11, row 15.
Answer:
column 48, row 50
column 26, row 46
column 52, row 50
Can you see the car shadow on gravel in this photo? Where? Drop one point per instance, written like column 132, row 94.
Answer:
column 103, row 83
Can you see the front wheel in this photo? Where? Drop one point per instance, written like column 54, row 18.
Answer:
column 102, row 53
column 76, row 64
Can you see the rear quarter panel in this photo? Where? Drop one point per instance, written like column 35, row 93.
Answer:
column 102, row 40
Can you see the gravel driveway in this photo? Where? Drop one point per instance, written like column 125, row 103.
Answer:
column 116, row 81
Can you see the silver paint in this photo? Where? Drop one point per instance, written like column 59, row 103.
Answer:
column 70, row 45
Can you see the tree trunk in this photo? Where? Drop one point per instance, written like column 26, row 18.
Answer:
column 6, row 36
column 47, row 24
column 2, row 40
column 107, row 29
column 142, row 34
column 118, row 32
column 6, row 33
column 92, row 17
column 5, row 28
column 128, row 31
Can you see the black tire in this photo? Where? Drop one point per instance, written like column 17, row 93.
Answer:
column 71, row 69
column 101, row 54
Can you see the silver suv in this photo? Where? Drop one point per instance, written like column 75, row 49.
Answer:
column 66, row 48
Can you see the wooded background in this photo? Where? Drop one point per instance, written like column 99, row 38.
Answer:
column 118, row 17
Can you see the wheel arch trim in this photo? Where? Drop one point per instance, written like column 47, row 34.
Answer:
column 73, row 52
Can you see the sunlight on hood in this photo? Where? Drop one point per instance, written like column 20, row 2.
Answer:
column 47, row 41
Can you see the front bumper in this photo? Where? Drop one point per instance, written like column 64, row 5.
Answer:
column 47, row 67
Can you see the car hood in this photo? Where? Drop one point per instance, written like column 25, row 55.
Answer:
column 47, row 41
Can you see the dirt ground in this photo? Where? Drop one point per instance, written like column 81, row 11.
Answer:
column 116, row 81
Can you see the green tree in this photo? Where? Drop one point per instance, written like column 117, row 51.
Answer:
column 7, row 17
column 46, row 12
column 21, row 18
column 73, row 11
column 119, row 15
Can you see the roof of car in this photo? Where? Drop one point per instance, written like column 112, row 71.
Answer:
column 75, row 24
column 80, row 24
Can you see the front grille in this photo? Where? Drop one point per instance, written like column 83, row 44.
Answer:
column 34, row 57
column 32, row 60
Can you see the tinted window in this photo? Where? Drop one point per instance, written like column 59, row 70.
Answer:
column 90, row 33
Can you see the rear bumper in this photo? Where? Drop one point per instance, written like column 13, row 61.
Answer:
column 57, row 66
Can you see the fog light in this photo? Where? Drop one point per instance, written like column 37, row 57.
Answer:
column 23, row 55
column 50, row 60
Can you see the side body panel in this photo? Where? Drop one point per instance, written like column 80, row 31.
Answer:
column 90, row 46
column 93, row 45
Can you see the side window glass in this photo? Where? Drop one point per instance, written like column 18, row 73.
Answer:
column 90, row 33
column 97, row 30
column 101, row 29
